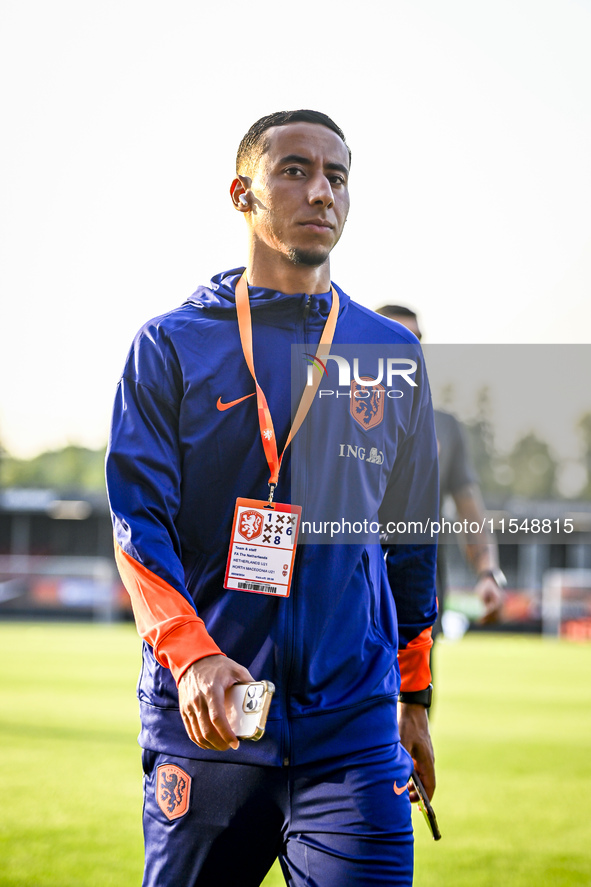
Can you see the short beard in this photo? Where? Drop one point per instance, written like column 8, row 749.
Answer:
column 307, row 257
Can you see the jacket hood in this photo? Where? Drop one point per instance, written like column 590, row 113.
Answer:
column 220, row 295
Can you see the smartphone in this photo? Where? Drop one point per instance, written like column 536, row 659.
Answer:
column 247, row 707
column 425, row 805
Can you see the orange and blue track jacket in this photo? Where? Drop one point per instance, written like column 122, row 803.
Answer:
column 185, row 443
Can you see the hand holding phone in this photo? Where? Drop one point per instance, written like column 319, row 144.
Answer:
column 425, row 805
column 247, row 707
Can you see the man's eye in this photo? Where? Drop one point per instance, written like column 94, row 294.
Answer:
column 337, row 180
column 294, row 171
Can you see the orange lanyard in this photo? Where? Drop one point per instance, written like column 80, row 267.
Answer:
column 265, row 421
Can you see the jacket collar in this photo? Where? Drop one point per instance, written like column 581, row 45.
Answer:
column 219, row 296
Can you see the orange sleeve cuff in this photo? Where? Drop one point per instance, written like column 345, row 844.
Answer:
column 164, row 618
column 413, row 661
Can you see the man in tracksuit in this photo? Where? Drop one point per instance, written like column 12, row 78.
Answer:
column 202, row 417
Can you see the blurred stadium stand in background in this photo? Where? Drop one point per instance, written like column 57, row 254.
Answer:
column 56, row 561
column 56, row 557
column 527, row 559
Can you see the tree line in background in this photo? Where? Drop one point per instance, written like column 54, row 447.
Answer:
column 529, row 470
column 71, row 468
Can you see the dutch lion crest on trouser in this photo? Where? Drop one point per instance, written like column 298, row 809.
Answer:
column 173, row 788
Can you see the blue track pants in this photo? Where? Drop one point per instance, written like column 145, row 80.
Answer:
column 344, row 822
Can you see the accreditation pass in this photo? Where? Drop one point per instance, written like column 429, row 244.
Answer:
column 262, row 547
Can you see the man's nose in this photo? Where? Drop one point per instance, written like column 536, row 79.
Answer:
column 320, row 190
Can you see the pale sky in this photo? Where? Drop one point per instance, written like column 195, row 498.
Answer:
column 470, row 126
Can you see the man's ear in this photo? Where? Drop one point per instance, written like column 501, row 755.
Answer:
column 241, row 194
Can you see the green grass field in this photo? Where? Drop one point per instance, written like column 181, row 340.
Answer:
column 512, row 730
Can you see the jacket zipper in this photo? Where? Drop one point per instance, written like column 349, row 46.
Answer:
column 290, row 619
column 306, row 313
